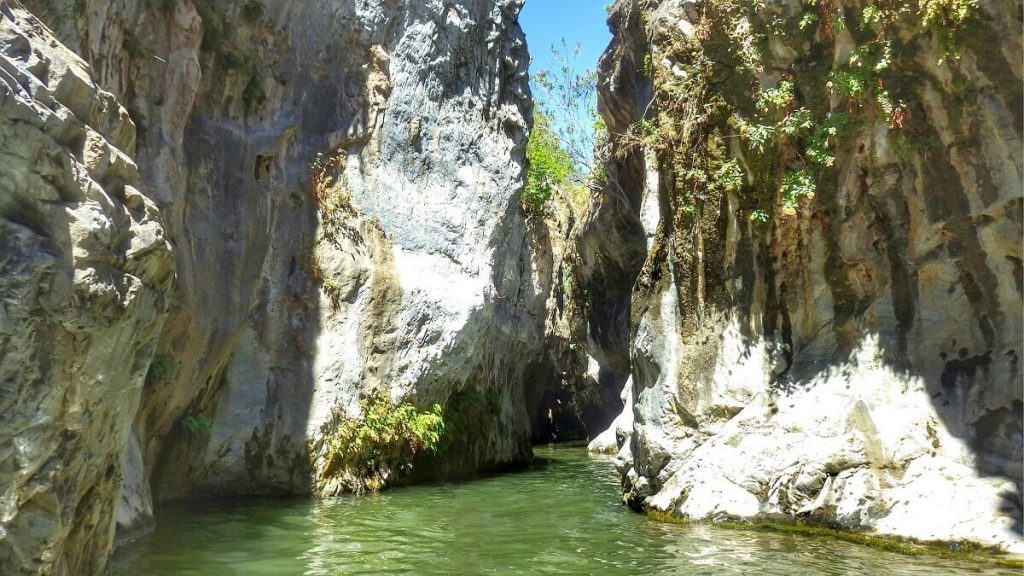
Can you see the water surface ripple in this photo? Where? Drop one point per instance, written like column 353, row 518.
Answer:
column 561, row 516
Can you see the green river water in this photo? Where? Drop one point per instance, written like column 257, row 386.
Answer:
column 561, row 516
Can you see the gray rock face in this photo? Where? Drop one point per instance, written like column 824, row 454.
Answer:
column 84, row 270
column 399, row 261
column 420, row 111
column 855, row 361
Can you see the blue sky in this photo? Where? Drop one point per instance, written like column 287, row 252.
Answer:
column 546, row 22
column 582, row 22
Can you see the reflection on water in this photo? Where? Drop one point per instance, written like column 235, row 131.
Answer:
column 561, row 517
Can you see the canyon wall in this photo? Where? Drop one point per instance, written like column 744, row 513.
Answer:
column 225, row 223
column 827, row 324
column 85, row 270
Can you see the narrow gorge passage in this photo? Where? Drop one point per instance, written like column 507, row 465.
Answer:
column 322, row 286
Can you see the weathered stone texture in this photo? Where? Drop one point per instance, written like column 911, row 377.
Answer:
column 424, row 285
column 84, row 272
column 854, row 362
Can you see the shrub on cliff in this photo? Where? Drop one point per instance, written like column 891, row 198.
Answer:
column 366, row 453
column 567, row 98
column 722, row 92
column 548, row 166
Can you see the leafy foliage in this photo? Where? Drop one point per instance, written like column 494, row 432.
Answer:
column 369, row 451
column 550, row 166
column 132, row 45
column 161, row 368
column 253, row 10
column 946, row 16
column 796, row 184
column 713, row 79
column 948, row 13
column 219, row 34
column 862, row 81
column 467, row 414
column 730, row 176
column 214, row 30
column 197, row 426
column 568, row 100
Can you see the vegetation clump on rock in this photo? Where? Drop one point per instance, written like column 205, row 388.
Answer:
column 365, row 453
column 716, row 85
column 549, row 166
column 333, row 201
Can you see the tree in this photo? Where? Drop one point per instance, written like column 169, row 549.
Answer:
column 568, row 98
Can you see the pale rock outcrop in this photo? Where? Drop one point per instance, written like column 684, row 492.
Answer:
column 855, row 361
column 612, row 440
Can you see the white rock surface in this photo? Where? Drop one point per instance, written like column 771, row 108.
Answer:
column 615, row 438
column 853, row 363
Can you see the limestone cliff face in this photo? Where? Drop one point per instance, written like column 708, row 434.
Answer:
column 338, row 184
column 84, row 273
column 847, row 354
